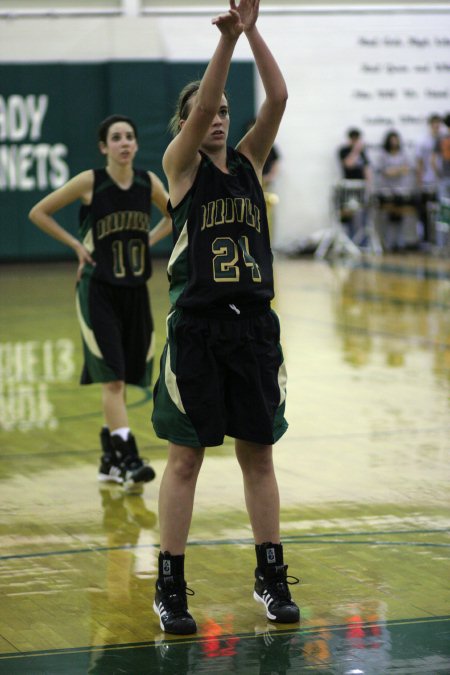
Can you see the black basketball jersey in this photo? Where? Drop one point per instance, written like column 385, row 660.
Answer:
column 114, row 228
column 222, row 255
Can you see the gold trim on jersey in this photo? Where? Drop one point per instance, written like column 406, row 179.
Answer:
column 180, row 246
column 88, row 242
column 170, row 377
column 282, row 382
column 151, row 349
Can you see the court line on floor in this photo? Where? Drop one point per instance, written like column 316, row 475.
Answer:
column 418, row 340
column 205, row 639
column 370, row 434
column 343, row 538
column 413, row 270
column 162, row 445
column 147, row 396
column 368, row 296
column 417, row 269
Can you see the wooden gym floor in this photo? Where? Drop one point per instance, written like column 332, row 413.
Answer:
column 363, row 473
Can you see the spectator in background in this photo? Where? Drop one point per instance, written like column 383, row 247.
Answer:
column 272, row 164
column 426, row 174
column 271, row 168
column 269, row 174
column 352, row 199
column 353, row 158
column 441, row 160
column 395, row 189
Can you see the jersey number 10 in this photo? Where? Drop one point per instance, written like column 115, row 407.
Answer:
column 136, row 250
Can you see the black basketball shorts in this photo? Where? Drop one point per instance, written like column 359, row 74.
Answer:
column 221, row 376
column 117, row 332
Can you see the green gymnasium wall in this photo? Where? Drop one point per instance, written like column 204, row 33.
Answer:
column 49, row 114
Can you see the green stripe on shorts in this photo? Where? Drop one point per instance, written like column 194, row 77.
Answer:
column 169, row 418
column 98, row 370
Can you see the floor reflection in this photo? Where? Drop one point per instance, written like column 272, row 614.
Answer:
column 357, row 647
column 387, row 314
column 125, row 596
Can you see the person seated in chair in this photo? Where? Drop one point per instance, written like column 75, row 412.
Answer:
column 395, row 189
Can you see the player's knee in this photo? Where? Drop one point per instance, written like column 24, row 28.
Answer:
column 185, row 465
column 259, row 467
column 115, row 387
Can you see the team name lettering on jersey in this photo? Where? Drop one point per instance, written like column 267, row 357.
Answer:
column 230, row 210
column 122, row 220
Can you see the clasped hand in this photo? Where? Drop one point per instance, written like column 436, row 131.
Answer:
column 240, row 18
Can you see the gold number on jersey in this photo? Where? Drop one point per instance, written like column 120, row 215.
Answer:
column 136, row 257
column 249, row 260
column 226, row 256
column 225, row 259
column 118, row 264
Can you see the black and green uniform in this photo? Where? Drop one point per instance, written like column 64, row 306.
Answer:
column 222, row 370
column 112, row 296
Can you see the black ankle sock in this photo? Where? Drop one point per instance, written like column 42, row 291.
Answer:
column 170, row 565
column 268, row 554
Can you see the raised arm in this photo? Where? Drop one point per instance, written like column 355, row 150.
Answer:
column 353, row 157
column 259, row 139
column 182, row 157
column 78, row 187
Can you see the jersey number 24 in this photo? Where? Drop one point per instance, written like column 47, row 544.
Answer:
column 226, row 259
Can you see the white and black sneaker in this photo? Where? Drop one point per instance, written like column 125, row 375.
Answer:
column 133, row 470
column 109, row 470
column 271, row 589
column 171, row 606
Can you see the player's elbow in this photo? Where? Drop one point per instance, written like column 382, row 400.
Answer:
column 33, row 214
column 279, row 102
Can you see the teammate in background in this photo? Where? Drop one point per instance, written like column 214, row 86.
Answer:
column 222, row 369
column 112, row 297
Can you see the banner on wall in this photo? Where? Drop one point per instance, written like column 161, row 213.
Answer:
column 28, row 163
column 49, row 114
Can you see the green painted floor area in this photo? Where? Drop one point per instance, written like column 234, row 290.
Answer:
column 408, row 647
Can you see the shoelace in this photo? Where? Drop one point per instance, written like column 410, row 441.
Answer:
column 278, row 585
column 176, row 599
column 280, row 590
column 295, row 581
